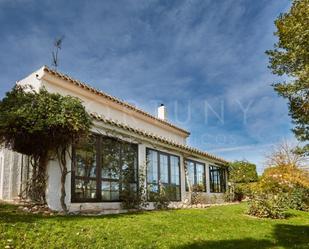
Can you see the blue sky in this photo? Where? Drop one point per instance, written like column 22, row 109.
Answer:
column 204, row 59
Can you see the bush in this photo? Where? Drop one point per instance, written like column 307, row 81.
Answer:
column 241, row 175
column 197, row 196
column 299, row 199
column 133, row 196
column 242, row 172
column 161, row 200
column 239, row 191
column 268, row 206
column 290, row 180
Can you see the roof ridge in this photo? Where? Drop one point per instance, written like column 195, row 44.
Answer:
column 157, row 137
column 110, row 97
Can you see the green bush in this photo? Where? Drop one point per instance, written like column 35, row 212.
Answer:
column 162, row 198
column 268, row 206
column 239, row 191
column 299, row 199
column 242, row 172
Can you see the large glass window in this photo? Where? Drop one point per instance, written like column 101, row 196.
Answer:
column 102, row 168
column 217, row 179
column 196, row 176
column 163, row 168
column 85, row 172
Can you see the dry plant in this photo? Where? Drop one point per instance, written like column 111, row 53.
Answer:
column 284, row 154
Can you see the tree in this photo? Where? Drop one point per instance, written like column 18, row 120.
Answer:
column 242, row 172
column 285, row 154
column 241, row 175
column 43, row 126
column 290, row 57
column 284, row 168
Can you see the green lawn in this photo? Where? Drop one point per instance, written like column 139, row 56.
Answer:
column 216, row 227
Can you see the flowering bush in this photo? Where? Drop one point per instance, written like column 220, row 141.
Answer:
column 268, row 206
column 280, row 188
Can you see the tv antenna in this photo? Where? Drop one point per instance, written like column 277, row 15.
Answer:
column 57, row 47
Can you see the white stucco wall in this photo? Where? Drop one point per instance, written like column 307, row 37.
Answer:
column 10, row 169
column 102, row 106
column 98, row 105
column 32, row 79
column 53, row 191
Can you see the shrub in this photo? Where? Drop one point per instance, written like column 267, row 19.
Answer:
column 299, row 199
column 242, row 172
column 284, row 178
column 291, row 180
column 239, row 191
column 241, row 175
column 268, row 206
column 197, row 196
column 161, row 199
column 133, row 196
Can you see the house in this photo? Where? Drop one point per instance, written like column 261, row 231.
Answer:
column 123, row 136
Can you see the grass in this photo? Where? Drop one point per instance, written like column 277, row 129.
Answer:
column 217, row 227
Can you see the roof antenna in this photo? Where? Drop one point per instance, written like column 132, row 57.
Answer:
column 57, row 47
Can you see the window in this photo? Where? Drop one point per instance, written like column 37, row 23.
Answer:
column 102, row 167
column 217, row 179
column 196, row 176
column 163, row 168
column 85, row 172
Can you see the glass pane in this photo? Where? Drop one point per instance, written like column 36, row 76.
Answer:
column 200, row 174
column 217, row 179
column 110, row 158
column 129, row 162
column 110, row 191
column 190, row 167
column 105, row 191
column 85, row 189
column 175, row 170
column 164, row 168
column 85, row 158
column 152, row 190
column 152, row 167
column 114, row 191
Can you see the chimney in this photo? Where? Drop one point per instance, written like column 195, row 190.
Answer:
column 162, row 113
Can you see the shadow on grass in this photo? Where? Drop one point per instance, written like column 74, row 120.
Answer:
column 285, row 236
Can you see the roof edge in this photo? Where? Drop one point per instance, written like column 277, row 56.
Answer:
column 158, row 138
column 112, row 98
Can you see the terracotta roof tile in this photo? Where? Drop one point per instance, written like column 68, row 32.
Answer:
column 157, row 138
column 114, row 99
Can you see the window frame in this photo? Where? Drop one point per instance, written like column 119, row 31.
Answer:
column 99, row 163
column 222, row 185
column 159, row 152
column 195, row 175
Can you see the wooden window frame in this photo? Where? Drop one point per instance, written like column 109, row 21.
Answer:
column 195, row 176
column 99, row 164
column 221, row 177
column 169, row 170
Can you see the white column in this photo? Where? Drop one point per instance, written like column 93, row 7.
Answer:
column 1, row 174
column 142, row 163
column 207, row 178
column 182, row 179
